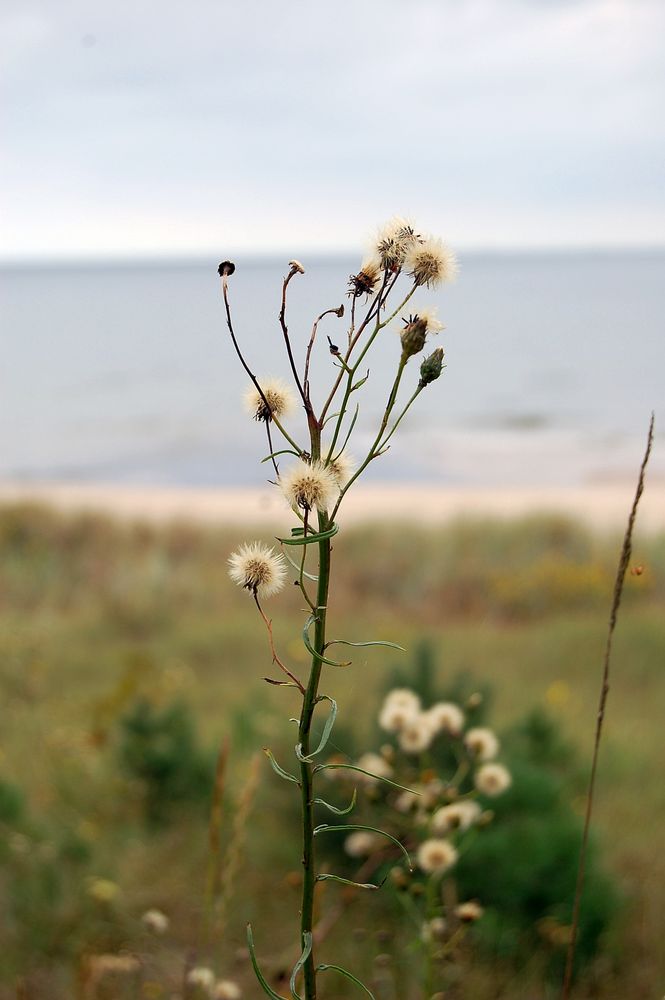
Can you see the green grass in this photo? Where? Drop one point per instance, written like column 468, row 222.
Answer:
column 95, row 614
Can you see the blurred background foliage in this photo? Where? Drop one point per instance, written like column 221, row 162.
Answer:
column 127, row 658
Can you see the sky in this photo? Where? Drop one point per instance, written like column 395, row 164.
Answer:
column 176, row 128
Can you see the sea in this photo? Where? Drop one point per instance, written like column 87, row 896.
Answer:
column 124, row 372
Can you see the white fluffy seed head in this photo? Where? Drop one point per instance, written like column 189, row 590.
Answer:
column 429, row 314
column 393, row 242
column 416, row 735
column 308, row 485
column 361, row 843
column 278, row 397
column 341, row 468
column 456, row 816
column 469, row 912
column 403, row 696
column 258, row 569
column 431, row 262
column 155, row 921
column 201, row 976
column 376, row 764
column 446, row 716
column 481, row 743
column 492, row 779
column 436, row 856
column 226, row 989
column 393, row 718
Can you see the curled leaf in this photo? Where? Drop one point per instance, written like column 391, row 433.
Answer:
column 328, row 827
column 306, row 952
column 257, row 972
column 348, row 975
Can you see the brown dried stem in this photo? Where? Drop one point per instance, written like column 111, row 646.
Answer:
column 624, row 559
column 275, row 657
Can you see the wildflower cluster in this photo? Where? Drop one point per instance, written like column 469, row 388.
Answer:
column 313, row 470
column 434, row 812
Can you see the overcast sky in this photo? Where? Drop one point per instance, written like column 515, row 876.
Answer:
column 188, row 126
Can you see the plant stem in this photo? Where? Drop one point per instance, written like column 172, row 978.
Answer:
column 309, row 704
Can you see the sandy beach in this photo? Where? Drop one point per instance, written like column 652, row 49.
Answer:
column 603, row 506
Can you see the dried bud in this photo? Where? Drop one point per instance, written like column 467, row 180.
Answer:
column 339, row 311
column 334, row 349
column 296, row 266
column 226, row 268
column 413, row 336
column 431, row 367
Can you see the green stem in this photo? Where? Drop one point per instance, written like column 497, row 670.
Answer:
column 306, row 769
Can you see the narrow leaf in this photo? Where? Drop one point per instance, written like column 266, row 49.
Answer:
column 325, row 735
column 360, row 382
column 328, row 827
column 257, row 972
column 279, row 770
column 320, row 536
column 310, row 649
column 284, row 451
column 297, row 567
column 343, row 972
column 336, row 809
column 348, row 881
column 374, row 642
column 307, row 938
column 354, row 767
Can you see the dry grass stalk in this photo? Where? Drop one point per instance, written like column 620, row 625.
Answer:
column 624, row 560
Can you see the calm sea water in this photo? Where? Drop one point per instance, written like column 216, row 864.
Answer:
column 126, row 373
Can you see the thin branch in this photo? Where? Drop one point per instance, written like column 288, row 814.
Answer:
column 282, row 322
column 339, row 311
column 624, row 559
column 275, row 657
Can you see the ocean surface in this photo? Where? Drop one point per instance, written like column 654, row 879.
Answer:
column 126, row 373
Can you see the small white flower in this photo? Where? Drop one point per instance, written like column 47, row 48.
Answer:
column 155, row 921
column 201, row 976
column 436, row 856
column 278, row 397
column 377, row 765
column 225, row 989
column 492, row 779
column 431, row 262
column 481, row 743
column 456, row 816
column 469, row 912
column 361, row 843
column 308, row 485
column 258, row 569
column 447, row 717
column 416, row 735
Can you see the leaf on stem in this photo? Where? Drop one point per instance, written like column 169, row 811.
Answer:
column 326, row 877
column 326, row 827
column 354, row 767
column 310, row 648
column 320, row 536
column 257, row 972
column 336, row 809
column 376, row 642
column 277, row 769
column 348, row 975
column 284, row 451
column 296, row 566
column 307, row 938
column 325, row 735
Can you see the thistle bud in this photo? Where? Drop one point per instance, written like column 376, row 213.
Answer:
column 431, row 367
column 413, row 336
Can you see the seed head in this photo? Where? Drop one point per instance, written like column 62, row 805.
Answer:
column 258, row 569
column 481, row 743
column 431, row 262
column 226, row 989
column 155, row 921
column 201, row 976
column 341, row 468
column 413, row 336
column 296, row 266
column 457, row 816
column 226, row 268
column 368, row 279
column 446, row 716
column 436, row 856
column 492, row 779
column 308, row 485
column 278, row 397
column 376, row 764
column 416, row 735
column 469, row 912
column 394, row 241
column 361, row 843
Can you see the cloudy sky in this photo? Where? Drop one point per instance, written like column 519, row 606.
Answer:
column 171, row 127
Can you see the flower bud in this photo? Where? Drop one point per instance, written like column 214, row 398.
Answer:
column 413, row 336
column 431, row 367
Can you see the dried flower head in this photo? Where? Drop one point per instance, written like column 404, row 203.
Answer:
column 341, row 467
column 492, row 779
column 481, row 743
column 258, row 569
column 361, row 843
column 376, row 764
column 278, row 401
column 394, row 240
column 226, row 989
column 155, row 921
column 456, row 816
column 226, row 268
column 436, row 856
column 308, row 485
column 368, row 279
column 431, row 262
column 296, row 266
column 416, row 735
column 446, row 716
column 403, row 696
column 469, row 912
column 429, row 314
